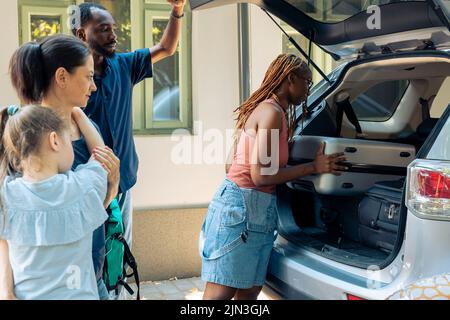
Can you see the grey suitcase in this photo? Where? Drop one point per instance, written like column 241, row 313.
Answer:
column 379, row 215
column 368, row 161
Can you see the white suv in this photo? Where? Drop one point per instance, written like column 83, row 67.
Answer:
column 385, row 222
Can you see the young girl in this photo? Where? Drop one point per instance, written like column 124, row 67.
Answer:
column 49, row 213
column 239, row 229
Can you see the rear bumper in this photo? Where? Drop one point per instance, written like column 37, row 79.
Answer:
column 297, row 276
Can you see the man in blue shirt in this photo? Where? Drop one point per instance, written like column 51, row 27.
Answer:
column 110, row 107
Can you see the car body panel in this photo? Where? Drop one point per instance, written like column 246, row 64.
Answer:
column 298, row 273
column 421, row 24
column 295, row 272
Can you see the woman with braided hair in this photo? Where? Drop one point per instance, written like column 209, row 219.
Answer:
column 239, row 230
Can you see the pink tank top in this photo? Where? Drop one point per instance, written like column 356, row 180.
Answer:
column 239, row 171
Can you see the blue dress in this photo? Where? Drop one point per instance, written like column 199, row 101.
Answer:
column 49, row 227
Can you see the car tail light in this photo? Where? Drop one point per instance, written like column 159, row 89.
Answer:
column 352, row 297
column 428, row 193
column 433, row 184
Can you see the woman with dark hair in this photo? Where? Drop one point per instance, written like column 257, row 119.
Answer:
column 58, row 73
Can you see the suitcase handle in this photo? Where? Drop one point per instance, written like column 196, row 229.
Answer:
column 391, row 212
column 405, row 154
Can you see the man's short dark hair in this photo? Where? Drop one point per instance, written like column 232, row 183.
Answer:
column 86, row 14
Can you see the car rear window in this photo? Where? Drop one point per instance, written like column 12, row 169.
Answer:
column 379, row 102
column 332, row 11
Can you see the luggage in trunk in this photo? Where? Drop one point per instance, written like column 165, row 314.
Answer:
column 368, row 161
column 379, row 214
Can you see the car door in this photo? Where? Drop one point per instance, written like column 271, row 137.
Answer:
column 351, row 28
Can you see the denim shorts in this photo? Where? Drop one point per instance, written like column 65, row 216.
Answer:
column 237, row 236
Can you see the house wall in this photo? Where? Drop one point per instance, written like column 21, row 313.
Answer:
column 9, row 38
column 171, row 200
column 174, row 251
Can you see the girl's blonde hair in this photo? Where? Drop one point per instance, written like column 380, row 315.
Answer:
column 277, row 72
column 22, row 131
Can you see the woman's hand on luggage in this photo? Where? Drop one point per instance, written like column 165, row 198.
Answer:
column 111, row 163
column 328, row 163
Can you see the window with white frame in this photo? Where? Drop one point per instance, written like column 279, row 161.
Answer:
column 39, row 19
column 160, row 104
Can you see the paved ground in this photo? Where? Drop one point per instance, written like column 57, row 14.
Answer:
column 177, row 289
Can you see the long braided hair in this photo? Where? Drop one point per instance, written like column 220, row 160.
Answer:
column 277, row 72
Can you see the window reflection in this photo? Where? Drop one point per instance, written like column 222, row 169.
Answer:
column 166, row 82
column 43, row 26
